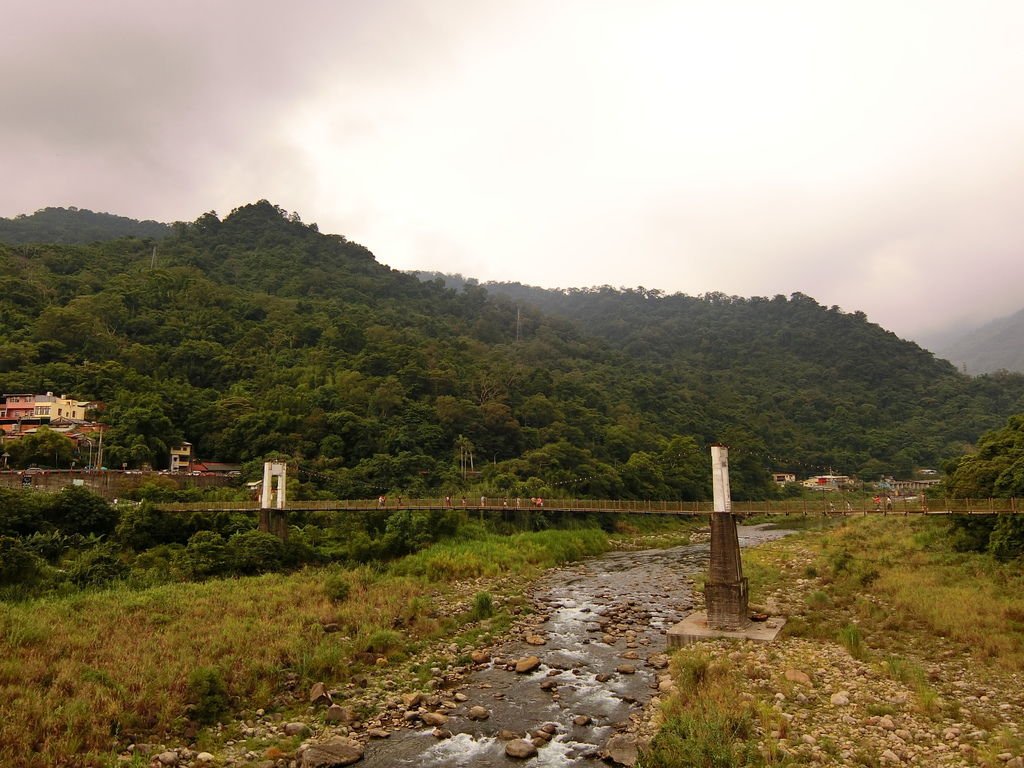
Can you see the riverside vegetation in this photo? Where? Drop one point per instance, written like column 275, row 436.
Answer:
column 904, row 645
column 135, row 655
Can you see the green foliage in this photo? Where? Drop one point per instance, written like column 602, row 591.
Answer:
column 256, row 335
column 207, row 695
column 996, row 468
column 970, row 533
column 1007, row 540
column 146, row 526
column 44, row 447
column 18, row 563
column 255, row 552
column 337, row 587
column 483, row 606
column 97, row 566
column 78, row 510
column 75, row 225
column 850, row 638
column 205, row 555
column 20, row 513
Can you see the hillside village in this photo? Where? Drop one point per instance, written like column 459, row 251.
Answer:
column 26, row 414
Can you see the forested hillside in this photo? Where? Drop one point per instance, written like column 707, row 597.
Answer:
column 257, row 335
column 75, row 225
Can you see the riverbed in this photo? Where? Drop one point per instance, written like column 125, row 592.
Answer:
column 598, row 632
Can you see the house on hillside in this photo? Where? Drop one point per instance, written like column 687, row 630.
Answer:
column 181, row 458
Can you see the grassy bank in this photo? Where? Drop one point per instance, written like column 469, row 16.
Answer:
column 890, row 595
column 84, row 675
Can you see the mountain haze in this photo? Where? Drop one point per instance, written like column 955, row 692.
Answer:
column 996, row 346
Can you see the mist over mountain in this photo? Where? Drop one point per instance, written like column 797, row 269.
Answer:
column 996, row 346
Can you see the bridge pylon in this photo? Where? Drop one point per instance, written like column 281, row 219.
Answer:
column 726, row 591
column 273, row 499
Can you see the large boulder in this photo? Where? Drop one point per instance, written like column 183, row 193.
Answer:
column 331, row 754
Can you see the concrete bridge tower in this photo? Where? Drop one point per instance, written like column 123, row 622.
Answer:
column 273, row 498
column 725, row 591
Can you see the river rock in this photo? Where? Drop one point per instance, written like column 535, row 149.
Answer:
column 520, row 749
column 480, row 657
column 297, row 729
column 411, row 700
column 205, row 757
column 318, row 694
column 168, row 758
column 581, row 720
column 527, row 664
column 796, row 676
column 339, row 714
column 478, row 713
column 331, row 754
column 442, row 733
column 535, row 640
column 621, row 749
column 839, row 699
column 626, row 669
column 434, row 718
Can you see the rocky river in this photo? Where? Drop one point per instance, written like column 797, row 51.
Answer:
column 570, row 683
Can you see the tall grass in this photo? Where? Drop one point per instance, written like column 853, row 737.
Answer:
column 78, row 673
column 705, row 723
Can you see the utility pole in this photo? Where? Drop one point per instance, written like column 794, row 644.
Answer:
column 152, row 260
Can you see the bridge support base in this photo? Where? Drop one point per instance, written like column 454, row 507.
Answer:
column 274, row 521
column 695, row 628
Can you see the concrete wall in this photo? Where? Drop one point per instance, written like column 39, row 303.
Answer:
column 110, row 484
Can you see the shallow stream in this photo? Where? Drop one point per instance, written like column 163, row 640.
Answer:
column 606, row 617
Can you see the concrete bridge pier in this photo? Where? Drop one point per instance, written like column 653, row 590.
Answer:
column 726, row 591
column 274, row 521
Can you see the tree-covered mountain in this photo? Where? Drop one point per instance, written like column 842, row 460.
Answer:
column 257, row 335
column 76, row 225
column 996, row 346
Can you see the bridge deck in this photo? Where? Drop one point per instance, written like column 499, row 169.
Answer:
column 589, row 506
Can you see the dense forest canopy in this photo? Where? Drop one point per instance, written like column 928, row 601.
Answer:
column 256, row 335
column 76, row 225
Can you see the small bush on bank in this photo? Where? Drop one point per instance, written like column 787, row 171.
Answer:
column 337, row 587
column 207, row 695
column 483, row 606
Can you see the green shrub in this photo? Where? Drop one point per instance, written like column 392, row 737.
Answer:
column 1007, row 539
column 970, row 533
column 20, row 513
column 205, row 555
column 207, row 695
column 483, row 606
column 98, row 566
column 77, row 510
column 337, row 587
column 18, row 563
column 850, row 638
column 146, row 526
column 255, row 552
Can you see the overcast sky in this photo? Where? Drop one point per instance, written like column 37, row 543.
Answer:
column 868, row 154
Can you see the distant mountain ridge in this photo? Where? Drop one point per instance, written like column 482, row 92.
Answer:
column 70, row 226
column 997, row 346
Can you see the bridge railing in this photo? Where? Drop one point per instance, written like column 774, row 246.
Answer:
column 826, row 506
